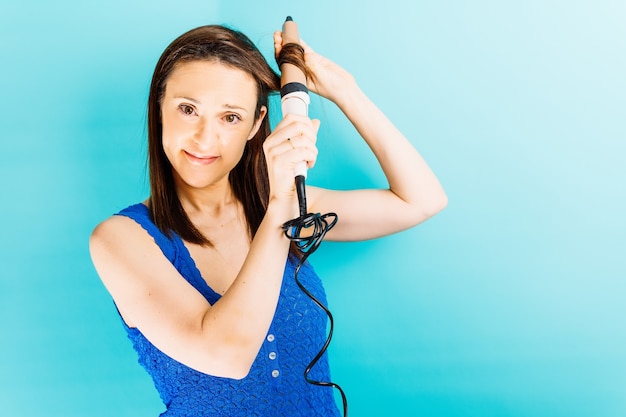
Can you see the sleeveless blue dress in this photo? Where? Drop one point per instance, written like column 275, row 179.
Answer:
column 275, row 385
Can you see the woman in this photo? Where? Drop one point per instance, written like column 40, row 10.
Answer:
column 196, row 271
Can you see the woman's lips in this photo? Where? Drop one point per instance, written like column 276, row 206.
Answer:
column 200, row 159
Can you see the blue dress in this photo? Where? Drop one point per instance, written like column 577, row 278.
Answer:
column 275, row 385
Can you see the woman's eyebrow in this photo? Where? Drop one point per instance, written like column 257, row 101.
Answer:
column 187, row 98
column 234, row 107
column 225, row 105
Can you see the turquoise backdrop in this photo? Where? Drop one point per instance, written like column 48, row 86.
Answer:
column 509, row 303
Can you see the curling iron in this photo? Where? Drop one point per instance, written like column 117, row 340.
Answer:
column 294, row 100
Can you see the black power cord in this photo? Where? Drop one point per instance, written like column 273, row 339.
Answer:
column 316, row 226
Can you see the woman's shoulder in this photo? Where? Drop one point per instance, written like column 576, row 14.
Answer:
column 125, row 224
column 131, row 232
column 138, row 211
column 114, row 231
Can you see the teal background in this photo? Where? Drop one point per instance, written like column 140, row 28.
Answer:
column 508, row 303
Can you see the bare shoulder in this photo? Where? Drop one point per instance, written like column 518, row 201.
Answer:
column 118, row 247
column 117, row 226
column 147, row 289
column 113, row 228
column 119, row 235
column 109, row 229
column 120, row 241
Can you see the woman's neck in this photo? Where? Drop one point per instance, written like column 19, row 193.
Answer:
column 212, row 200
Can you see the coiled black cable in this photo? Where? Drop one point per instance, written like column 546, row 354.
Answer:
column 319, row 225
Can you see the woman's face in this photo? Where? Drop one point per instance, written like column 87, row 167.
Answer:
column 208, row 114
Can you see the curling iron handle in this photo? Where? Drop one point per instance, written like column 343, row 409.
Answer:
column 296, row 103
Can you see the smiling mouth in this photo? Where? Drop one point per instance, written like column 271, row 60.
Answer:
column 199, row 159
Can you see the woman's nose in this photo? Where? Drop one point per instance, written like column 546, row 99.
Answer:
column 205, row 133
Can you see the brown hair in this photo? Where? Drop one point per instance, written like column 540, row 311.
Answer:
column 249, row 178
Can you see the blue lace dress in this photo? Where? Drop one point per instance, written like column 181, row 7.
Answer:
column 275, row 385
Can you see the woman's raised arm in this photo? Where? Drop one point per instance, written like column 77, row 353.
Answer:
column 414, row 193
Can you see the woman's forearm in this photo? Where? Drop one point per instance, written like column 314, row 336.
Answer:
column 241, row 318
column 409, row 176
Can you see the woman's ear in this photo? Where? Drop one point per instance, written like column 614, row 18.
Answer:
column 257, row 123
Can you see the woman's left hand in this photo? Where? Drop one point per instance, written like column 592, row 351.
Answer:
column 327, row 79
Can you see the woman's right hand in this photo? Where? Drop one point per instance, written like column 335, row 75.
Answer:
column 292, row 141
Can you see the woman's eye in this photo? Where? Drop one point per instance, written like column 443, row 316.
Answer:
column 231, row 118
column 186, row 110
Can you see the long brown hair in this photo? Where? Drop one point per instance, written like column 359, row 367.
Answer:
column 249, row 178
